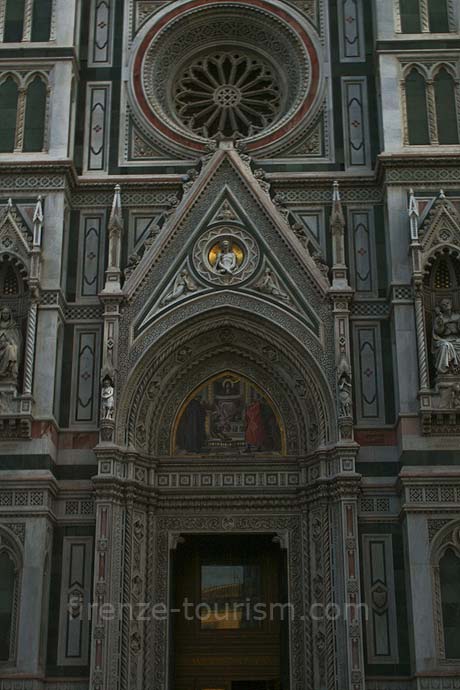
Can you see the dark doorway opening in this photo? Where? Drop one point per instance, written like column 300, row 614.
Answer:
column 230, row 621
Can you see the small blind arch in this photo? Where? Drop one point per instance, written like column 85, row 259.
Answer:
column 35, row 119
column 449, row 576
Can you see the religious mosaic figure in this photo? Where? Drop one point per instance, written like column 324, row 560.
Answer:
column 182, row 285
column 108, row 398
column 10, row 346
column 446, row 337
column 191, row 434
column 227, row 261
column 228, row 415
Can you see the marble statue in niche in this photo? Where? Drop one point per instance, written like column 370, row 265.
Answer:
column 446, row 338
column 107, row 398
column 10, row 346
column 228, row 415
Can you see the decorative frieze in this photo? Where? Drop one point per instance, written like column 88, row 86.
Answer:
column 227, row 480
column 431, row 496
column 19, row 498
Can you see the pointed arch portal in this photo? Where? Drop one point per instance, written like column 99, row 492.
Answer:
column 270, row 362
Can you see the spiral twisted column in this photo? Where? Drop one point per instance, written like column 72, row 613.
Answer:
column 30, row 348
column 421, row 343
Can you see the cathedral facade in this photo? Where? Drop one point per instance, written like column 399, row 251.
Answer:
column 229, row 345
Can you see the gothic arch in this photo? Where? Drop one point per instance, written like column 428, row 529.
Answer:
column 252, row 347
column 11, row 551
column 445, row 543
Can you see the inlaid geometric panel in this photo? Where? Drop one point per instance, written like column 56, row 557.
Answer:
column 141, row 225
column 100, row 48
column 351, row 31
column 90, row 255
column 379, row 596
column 362, row 251
column 368, row 373
column 73, row 646
column 85, row 376
column 97, row 128
column 356, row 122
column 313, row 221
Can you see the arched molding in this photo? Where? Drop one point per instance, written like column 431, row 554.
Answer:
column 254, row 348
column 448, row 67
column 447, row 538
column 418, row 66
column 245, row 302
column 11, row 75
column 11, row 546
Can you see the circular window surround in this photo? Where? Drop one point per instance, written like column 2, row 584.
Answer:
column 183, row 31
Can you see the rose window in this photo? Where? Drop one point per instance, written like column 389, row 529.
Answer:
column 229, row 94
column 203, row 69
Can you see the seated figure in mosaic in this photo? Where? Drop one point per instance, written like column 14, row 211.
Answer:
column 446, row 338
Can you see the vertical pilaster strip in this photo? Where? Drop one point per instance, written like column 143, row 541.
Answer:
column 30, row 347
column 403, row 93
column 424, row 16
column 353, row 594
column 28, row 13
column 53, row 21
column 46, row 130
column 397, row 16
column 20, row 120
column 432, row 115
column 105, row 645
column 421, row 341
column 2, row 19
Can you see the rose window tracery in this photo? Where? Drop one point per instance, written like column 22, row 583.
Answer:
column 228, row 93
column 203, row 69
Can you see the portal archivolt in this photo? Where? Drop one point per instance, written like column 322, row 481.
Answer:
column 200, row 350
